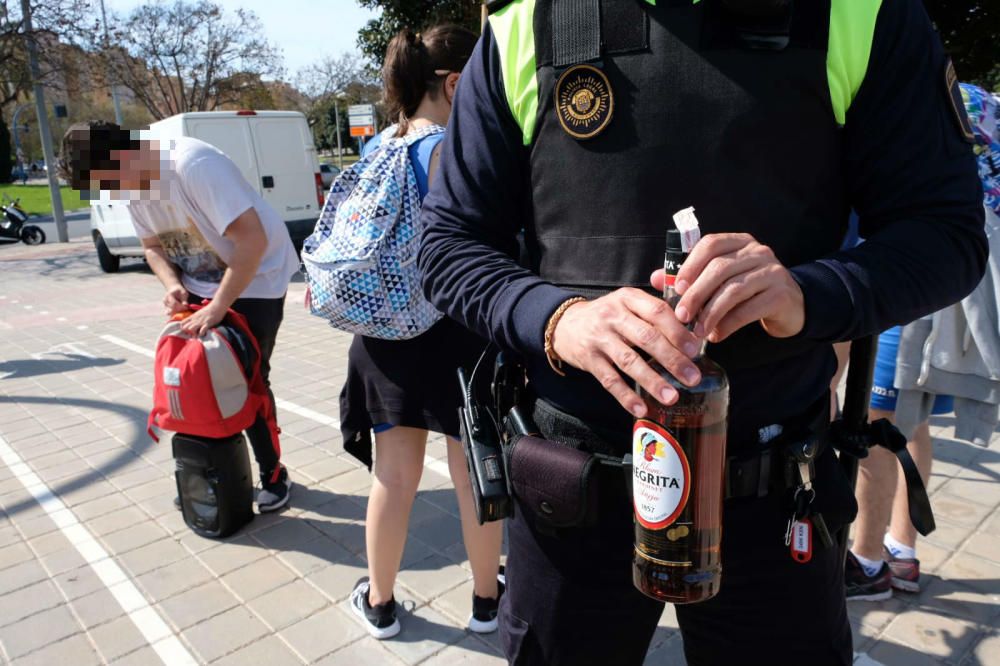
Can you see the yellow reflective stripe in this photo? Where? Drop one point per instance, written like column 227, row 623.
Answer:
column 513, row 29
column 852, row 30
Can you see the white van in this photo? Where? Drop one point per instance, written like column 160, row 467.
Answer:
column 273, row 149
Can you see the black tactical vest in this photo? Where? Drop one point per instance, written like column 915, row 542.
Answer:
column 700, row 118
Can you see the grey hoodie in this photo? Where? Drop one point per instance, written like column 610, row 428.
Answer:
column 956, row 352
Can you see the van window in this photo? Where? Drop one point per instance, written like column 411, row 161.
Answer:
column 231, row 136
column 284, row 137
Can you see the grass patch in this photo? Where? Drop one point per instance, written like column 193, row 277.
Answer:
column 35, row 198
column 348, row 160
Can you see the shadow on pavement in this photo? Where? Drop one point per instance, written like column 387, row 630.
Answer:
column 345, row 527
column 139, row 442
column 29, row 367
column 938, row 596
column 57, row 265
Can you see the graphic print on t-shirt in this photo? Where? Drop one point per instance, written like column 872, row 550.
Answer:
column 188, row 248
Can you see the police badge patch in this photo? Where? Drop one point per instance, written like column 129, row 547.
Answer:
column 957, row 102
column 584, row 101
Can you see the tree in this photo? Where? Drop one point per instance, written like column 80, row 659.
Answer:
column 330, row 85
column 374, row 38
column 52, row 21
column 970, row 30
column 191, row 56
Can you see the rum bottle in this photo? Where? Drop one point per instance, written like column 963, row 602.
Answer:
column 679, row 454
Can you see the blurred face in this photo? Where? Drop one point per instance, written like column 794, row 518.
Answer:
column 137, row 170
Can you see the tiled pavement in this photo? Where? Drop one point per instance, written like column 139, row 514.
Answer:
column 74, row 385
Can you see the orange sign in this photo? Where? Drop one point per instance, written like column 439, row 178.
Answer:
column 367, row 130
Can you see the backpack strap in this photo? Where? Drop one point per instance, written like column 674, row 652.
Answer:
column 415, row 136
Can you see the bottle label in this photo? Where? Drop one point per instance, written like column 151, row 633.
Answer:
column 661, row 475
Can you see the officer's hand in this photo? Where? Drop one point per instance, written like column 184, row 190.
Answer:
column 602, row 337
column 731, row 280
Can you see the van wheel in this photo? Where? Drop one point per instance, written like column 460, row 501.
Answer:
column 109, row 262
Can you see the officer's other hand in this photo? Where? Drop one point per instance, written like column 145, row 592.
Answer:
column 175, row 300
column 730, row 281
column 605, row 335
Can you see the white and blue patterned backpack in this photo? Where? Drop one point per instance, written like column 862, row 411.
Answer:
column 361, row 260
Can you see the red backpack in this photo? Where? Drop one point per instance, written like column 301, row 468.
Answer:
column 209, row 386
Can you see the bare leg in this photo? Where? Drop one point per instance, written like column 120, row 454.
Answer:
column 843, row 352
column 482, row 542
column 877, row 476
column 399, row 463
column 920, row 448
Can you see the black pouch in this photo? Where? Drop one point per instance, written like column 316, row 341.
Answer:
column 552, row 481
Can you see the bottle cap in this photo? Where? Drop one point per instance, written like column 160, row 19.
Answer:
column 674, row 241
column 675, row 254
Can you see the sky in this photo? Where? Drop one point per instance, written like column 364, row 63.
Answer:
column 305, row 30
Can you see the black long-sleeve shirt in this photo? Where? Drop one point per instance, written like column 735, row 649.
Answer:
column 909, row 173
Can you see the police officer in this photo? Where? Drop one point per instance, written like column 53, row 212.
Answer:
column 587, row 123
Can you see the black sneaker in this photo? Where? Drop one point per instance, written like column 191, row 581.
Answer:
column 273, row 496
column 380, row 620
column 862, row 587
column 485, row 609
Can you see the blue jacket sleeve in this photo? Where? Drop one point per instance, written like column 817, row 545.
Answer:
column 476, row 206
column 911, row 176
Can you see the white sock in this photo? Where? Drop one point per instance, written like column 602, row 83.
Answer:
column 898, row 549
column 870, row 567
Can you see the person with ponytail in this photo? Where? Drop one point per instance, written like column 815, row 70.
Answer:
column 404, row 389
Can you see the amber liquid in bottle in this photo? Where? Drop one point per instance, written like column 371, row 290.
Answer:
column 679, row 454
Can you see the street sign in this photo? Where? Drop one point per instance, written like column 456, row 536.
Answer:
column 361, row 118
column 361, row 109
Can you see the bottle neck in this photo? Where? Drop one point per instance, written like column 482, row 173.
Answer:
column 672, row 298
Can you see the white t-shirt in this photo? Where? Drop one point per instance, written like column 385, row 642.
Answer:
column 200, row 192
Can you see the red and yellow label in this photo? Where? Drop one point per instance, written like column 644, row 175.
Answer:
column 661, row 476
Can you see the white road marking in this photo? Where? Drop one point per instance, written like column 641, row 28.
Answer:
column 115, row 340
column 82, row 327
column 153, row 628
column 65, row 349
column 438, row 466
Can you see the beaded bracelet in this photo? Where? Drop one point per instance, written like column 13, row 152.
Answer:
column 554, row 361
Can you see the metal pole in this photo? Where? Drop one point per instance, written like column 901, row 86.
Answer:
column 340, row 151
column 43, row 125
column 111, row 77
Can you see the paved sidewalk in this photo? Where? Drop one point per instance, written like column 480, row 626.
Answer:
column 97, row 567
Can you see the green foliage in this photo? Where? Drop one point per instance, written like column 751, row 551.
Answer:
column 970, row 30
column 374, row 38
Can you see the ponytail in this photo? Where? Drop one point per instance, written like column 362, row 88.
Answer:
column 411, row 61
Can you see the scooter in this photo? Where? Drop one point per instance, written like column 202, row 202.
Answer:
column 13, row 227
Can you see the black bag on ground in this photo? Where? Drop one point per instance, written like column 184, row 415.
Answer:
column 214, row 483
